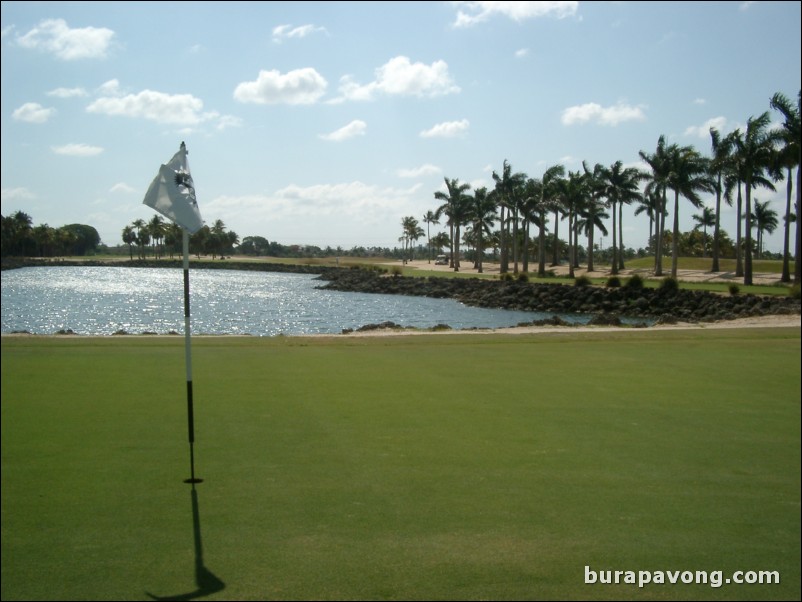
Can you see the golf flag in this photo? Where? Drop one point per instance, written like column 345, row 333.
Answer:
column 172, row 193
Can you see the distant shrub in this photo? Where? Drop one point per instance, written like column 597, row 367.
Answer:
column 582, row 281
column 734, row 289
column 613, row 282
column 523, row 277
column 794, row 291
column 635, row 282
column 396, row 271
column 669, row 284
column 507, row 277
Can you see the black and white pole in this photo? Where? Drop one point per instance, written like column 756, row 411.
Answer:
column 188, row 352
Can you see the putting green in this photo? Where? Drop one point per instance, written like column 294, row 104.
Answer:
column 408, row 467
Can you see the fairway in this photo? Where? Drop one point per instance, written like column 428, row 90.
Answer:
column 403, row 467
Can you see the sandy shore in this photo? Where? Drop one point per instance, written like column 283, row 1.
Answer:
column 755, row 322
column 466, row 267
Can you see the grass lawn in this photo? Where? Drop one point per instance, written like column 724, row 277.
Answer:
column 410, row 467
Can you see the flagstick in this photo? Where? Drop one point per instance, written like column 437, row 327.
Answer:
column 188, row 351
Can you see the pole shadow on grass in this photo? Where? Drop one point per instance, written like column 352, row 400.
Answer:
column 208, row 583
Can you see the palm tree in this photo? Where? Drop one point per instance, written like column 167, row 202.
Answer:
column 573, row 194
column 649, row 203
column 660, row 166
column 754, row 151
column 719, row 162
column 620, row 186
column 550, row 201
column 157, row 229
column 688, row 177
column 216, row 237
column 482, row 216
column 142, row 236
column 704, row 220
column 508, row 187
column 533, row 212
column 429, row 219
column 454, row 208
column 129, row 238
column 765, row 220
column 409, row 227
column 791, row 156
column 592, row 217
column 16, row 229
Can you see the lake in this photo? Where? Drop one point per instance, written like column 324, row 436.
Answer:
column 106, row 300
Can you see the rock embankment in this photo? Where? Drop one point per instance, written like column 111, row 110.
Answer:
column 661, row 304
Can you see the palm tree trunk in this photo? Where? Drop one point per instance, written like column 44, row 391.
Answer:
column 480, row 249
column 658, row 253
column 614, row 269
column 526, row 246
column 503, row 267
column 541, row 247
column 515, row 249
column 748, row 228
column 555, row 257
column 675, row 237
column 716, row 249
column 456, row 248
column 621, row 236
column 590, row 246
column 739, row 265
column 798, row 252
column 786, row 275
column 571, row 251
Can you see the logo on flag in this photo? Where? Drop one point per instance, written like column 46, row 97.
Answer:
column 172, row 193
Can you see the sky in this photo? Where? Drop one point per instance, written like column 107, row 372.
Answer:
column 326, row 123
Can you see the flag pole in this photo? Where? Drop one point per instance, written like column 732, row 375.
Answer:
column 188, row 353
column 172, row 193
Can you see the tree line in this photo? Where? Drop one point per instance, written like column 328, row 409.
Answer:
column 745, row 159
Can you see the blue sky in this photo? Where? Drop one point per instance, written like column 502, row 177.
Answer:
column 326, row 123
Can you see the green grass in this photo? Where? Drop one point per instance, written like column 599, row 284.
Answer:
column 767, row 266
column 411, row 467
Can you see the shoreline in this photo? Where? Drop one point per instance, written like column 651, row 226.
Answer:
column 773, row 321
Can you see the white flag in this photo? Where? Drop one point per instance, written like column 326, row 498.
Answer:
column 172, row 193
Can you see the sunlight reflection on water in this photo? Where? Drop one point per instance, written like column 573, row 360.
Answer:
column 105, row 300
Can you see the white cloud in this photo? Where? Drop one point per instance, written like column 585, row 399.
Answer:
column 447, row 129
column 401, row 77
column 521, row 53
column 56, row 37
column 699, row 101
column 16, row 194
column 77, row 150
column 228, row 121
column 471, row 13
column 177, row 109
column 33, row 112
column 286, row 32
column 703, row 131
column 110, row 88
column 426, row 169
column 356, row 128
column 354, row 202
column 122, row 187
column 67, row 92
column 591, row 111
column 746, row 5
column 301, row 86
